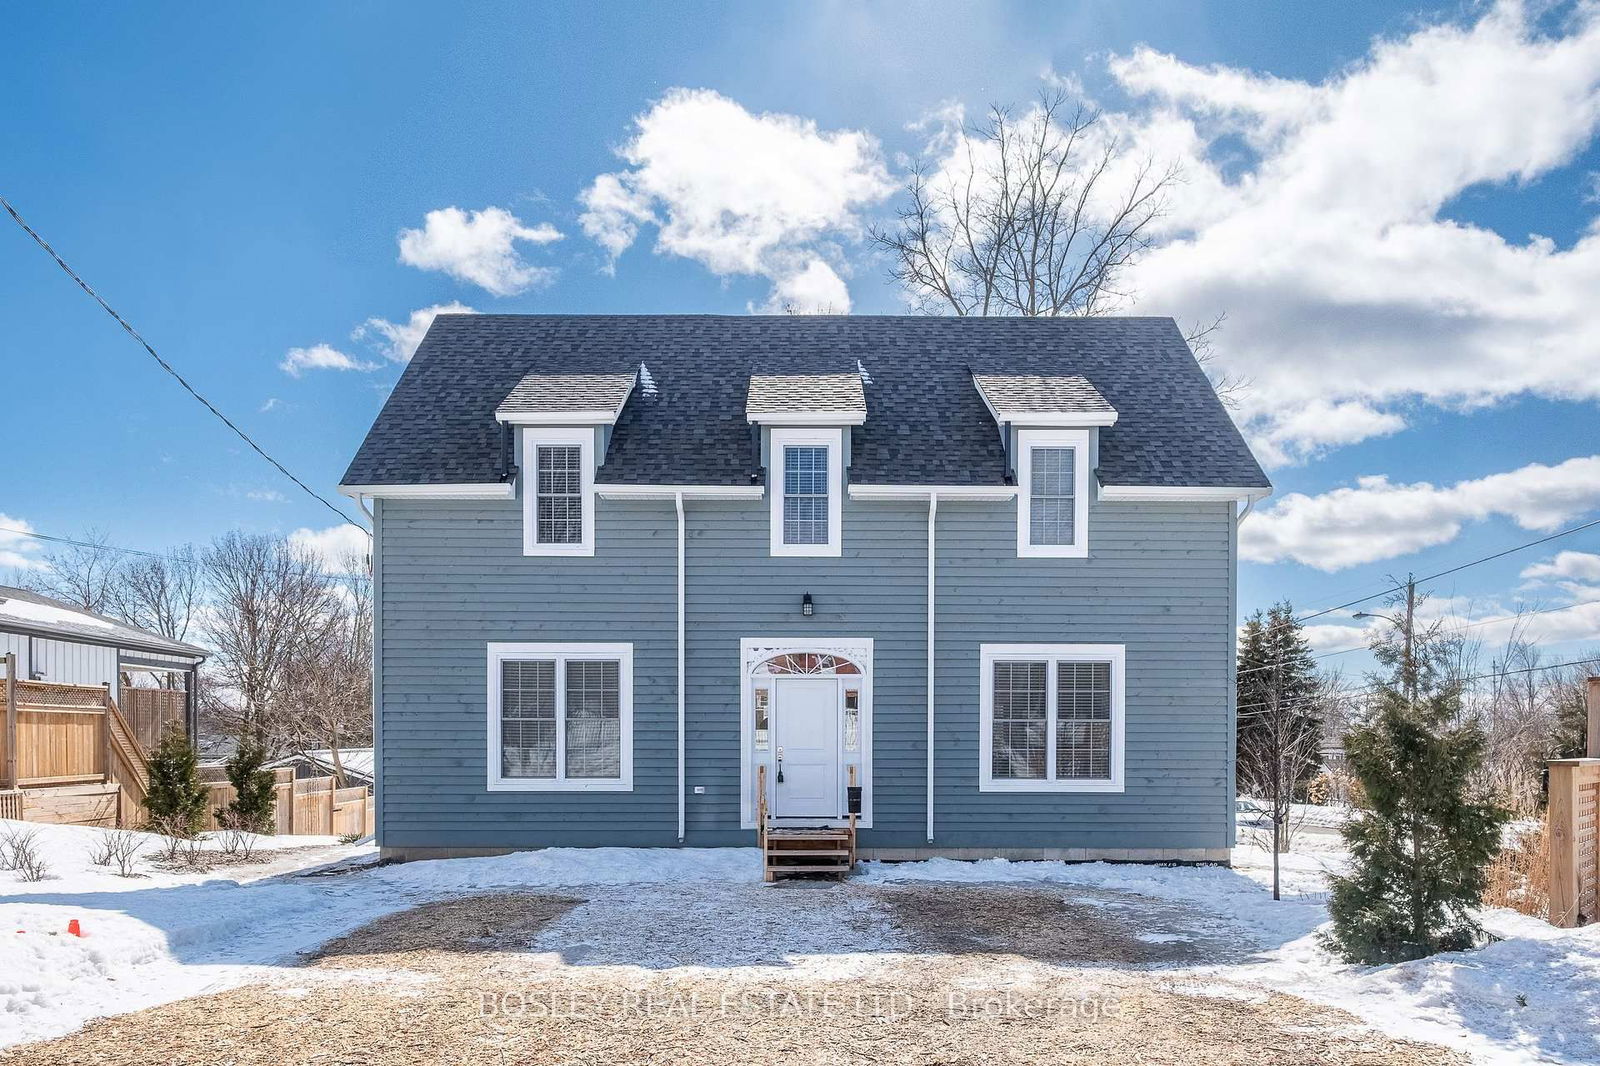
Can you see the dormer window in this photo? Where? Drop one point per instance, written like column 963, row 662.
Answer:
column 805, row 484
column 1053, row 493
column 1047, row 425
column 562, row 421
column 803, row 419
column 558, row 491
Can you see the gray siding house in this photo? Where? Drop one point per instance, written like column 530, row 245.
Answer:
column 984, row 566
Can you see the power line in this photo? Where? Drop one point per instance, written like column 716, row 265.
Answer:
column 1456, row 569
column 62, row 263
column 1471, row 625
column 76, row 543
column 1370, row 690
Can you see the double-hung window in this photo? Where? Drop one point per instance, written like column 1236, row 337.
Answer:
column 804, row 484
column 1053, row 493
column 561, row 717
column 1051, row 717
column 558, row 491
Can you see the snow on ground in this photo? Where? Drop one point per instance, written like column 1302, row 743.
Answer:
column 1534, row 995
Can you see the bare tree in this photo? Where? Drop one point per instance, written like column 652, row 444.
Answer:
column 161, row 593
column 325, row 699
column 1038, row 213
column 85, row 575
column 1032, row 214
column 267, row 596
column 1515, row 717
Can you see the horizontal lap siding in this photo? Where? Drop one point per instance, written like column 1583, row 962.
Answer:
column 453, row 579
column 1158, row 580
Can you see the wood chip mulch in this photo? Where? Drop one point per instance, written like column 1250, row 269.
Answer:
column 454, row 982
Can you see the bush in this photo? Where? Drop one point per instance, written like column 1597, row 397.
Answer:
column 253, row 789
column 19, row 851
column 119, row 848
column 176, row 799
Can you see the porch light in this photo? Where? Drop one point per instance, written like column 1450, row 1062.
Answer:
column 806, row 607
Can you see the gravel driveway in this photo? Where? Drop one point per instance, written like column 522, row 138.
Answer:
column 802, row 972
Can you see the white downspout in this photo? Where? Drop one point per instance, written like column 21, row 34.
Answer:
column 682, row 681
column 933, row 513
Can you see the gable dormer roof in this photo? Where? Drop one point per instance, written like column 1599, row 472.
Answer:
column 926, row 424
column 566, row 399
column 1044, row 399
column 806, row 399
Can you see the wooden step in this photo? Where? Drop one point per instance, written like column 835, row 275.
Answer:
column 785, row 852
column 840, row 869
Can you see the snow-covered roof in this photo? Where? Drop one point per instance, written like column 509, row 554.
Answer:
column 357, row 762
column 22, row 611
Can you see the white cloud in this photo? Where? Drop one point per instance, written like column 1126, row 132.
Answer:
column 16, row 550
column 271, row 403
column 741, row 193
column 1378, row 519
column 1326, row 638
column 320, row 357
column 340, row 548
column 398, row 340
column 1312, row 214
column 816, row 289
column 264, row 495
column 1569, row 569
column 478, row 247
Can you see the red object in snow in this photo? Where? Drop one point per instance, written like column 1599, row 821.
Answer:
column 72, row 928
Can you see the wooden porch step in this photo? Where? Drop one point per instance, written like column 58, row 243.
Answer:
column 840, row 868
column 785, row 852
column 808, row 834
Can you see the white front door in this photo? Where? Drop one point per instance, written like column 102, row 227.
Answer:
column 806, row 747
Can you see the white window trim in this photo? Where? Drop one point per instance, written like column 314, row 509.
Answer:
column 560, row 438
column 781, row 439
column 562, row 654
column 989, row 654
column 1078, row 440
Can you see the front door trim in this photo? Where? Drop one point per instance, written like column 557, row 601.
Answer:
column 754, row 653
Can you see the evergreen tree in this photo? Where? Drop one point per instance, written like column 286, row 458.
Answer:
column 1418, row 853
column 253, row 789
column 1276, row 676
column 176, row 799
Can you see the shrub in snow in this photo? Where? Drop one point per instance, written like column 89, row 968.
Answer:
column 1419, row 852
column 19, row 851
column 119, row 848
column 176, row 799
column 253, row 788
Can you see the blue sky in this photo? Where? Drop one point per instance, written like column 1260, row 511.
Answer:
column 1394, row 208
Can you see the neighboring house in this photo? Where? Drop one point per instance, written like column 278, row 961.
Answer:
column 623, row 562
column 356, row 763
column 151, row 677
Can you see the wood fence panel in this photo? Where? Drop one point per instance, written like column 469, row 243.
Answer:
column 1574, row 842
column 148, row 710
column 59, row 746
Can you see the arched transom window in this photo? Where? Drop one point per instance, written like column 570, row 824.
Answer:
column 807, row 662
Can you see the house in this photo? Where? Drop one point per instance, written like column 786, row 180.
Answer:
column 628, row 568
column 85, row 699
column 151, row 677
column 355, row 762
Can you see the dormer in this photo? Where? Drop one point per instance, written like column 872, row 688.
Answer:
column 563, row 425
column 804, row 421
column 1049, row 427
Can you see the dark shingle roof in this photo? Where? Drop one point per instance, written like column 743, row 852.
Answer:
column 552, row 393
column 1014, row 395
column 776, row 394
column 29, row 612
column 926, row 423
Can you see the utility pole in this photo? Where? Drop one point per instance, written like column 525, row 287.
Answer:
column 1411, row 662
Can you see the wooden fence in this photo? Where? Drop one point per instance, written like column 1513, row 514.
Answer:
column 306, row 806
column 1574, row 849
column 150, row 710
column 1575, row 828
